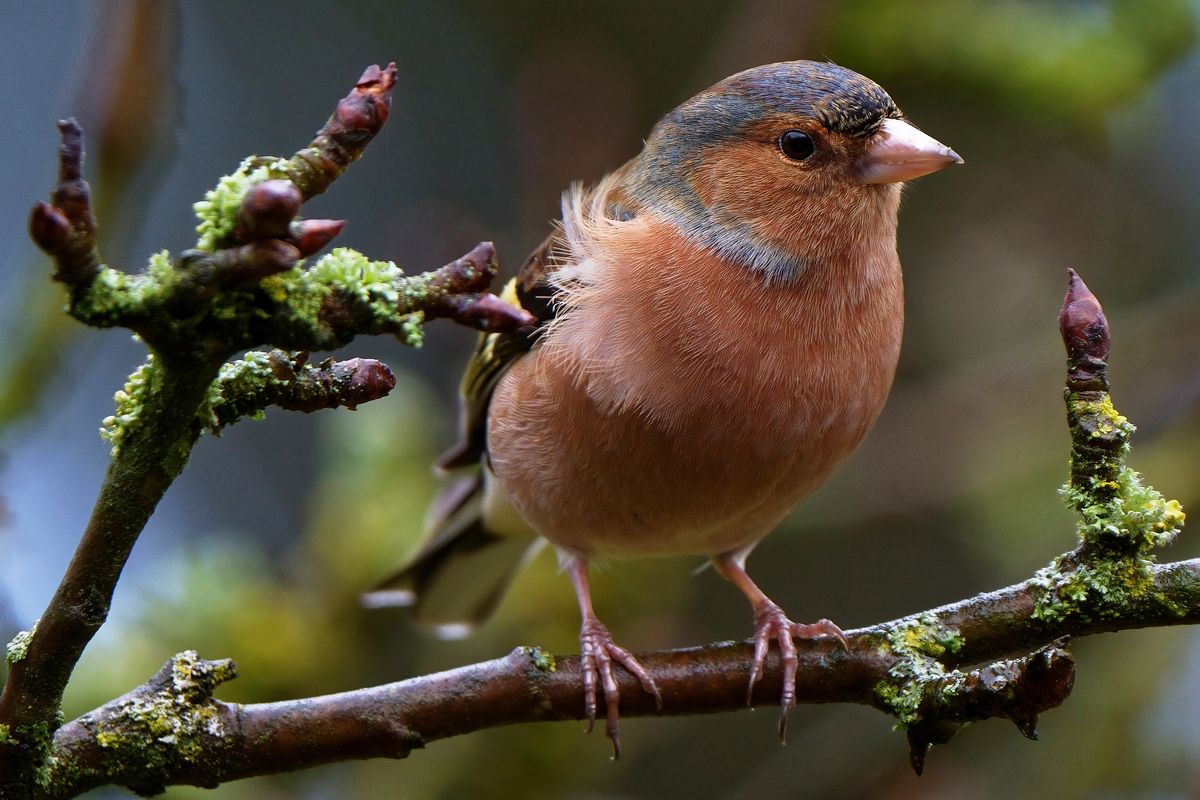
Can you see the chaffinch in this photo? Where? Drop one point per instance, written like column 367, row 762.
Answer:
column 720, row 321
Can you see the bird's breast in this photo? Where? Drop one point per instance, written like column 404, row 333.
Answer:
column 683, row 405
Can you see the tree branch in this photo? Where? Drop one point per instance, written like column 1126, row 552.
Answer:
column 530, row 685
column 243, row 285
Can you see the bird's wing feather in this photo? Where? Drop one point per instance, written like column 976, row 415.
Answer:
column 496, row 352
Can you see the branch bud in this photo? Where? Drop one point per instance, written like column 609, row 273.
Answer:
column 1085, row 335
column 362, row 380
column 366, row 108
column 310, row 235
column 268, row 209
column 48, row 227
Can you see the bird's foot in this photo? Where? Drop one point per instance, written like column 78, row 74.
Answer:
column 771, row 623
column 599, row 651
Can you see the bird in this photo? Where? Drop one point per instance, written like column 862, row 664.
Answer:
column 718, row 326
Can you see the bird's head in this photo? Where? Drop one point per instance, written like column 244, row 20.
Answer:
column 782, row 165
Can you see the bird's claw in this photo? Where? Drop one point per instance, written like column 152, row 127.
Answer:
column 771, row 623
column 820, row 628
column 598, row 651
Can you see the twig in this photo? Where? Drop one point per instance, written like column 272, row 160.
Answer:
column 245, row 388
column 65, row 228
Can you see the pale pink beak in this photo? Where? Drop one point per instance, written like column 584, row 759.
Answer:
column 900, row 152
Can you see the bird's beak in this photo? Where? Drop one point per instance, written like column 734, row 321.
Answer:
column 900, row 152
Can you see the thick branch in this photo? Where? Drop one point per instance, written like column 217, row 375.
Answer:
column 140, row 472
column 531, row 686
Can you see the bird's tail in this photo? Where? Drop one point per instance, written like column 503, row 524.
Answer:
column 456, row 579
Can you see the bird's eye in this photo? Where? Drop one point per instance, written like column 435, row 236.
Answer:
column 796, row 145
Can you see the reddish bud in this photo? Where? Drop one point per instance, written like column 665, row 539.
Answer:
column 1084, row 328
column 368, row 104
column 310, row 235
column 489, row 313
column 362, row 380
column 48, row 227
column 267, row 210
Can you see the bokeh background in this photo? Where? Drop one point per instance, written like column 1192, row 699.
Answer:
column 1078, row 122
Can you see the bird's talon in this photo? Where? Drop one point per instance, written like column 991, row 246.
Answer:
column 599, row 652
column 771, row 623
column 821, row 629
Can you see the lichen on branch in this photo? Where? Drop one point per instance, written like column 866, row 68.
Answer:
column 246, row 387
column 168, row 724
column 1110, row 575
column 1121, row 521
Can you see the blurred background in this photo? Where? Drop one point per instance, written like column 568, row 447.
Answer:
column 1078, row 121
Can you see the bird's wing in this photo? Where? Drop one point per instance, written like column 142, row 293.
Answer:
column 496, row 352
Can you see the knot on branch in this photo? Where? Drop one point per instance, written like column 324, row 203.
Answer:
column 160, row 728
column 1016, row 689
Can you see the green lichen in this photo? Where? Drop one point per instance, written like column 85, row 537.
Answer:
column 150, row 733
column 218, row 210
column 918, row 642
column 19, row 646
column 35, row 738
column 1108, row 419
column 114, row 295
column 1124, row 509
column 1103, row 589
column 543, row 661
column 300, row 292
column 240, row 384
column 130, row 401
column 378, row 285
column 1120, row 522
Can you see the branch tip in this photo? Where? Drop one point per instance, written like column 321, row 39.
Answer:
column 355, row 121
column 70, row 150
column 471, row 272
column 918, row 751
column 1085, row 331
column 368, row 105
column 486, row 312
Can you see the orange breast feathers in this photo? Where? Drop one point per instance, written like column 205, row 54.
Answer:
column 681, row 404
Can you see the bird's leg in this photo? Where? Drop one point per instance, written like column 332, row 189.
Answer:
column 771, row 623
column 598, row 651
